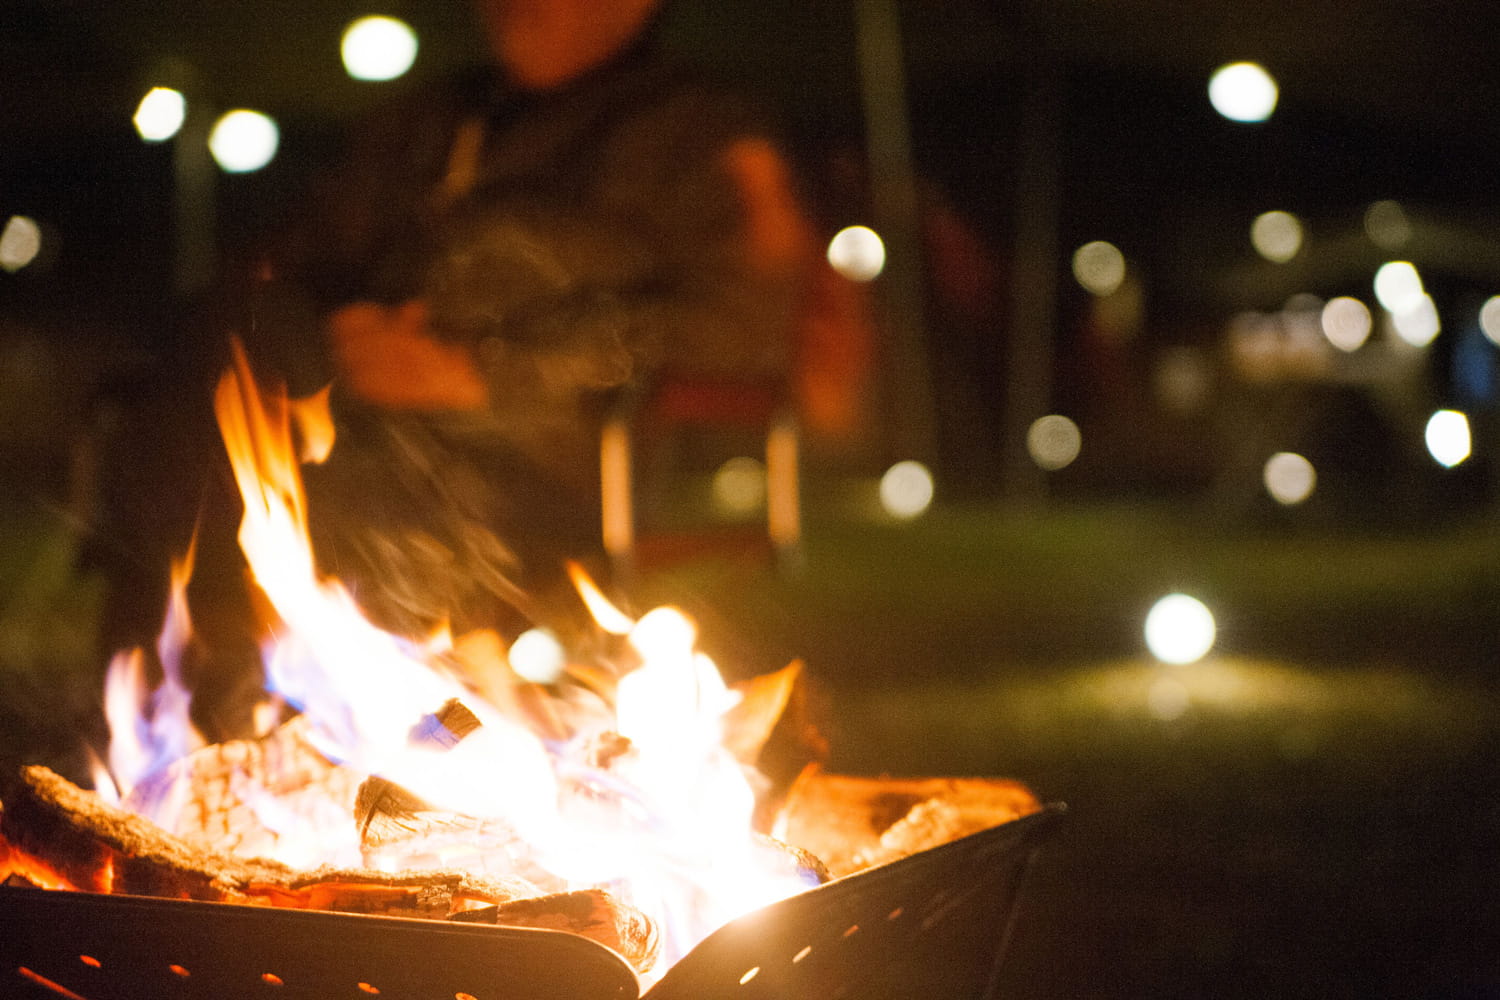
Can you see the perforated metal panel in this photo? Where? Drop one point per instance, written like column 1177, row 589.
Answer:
column 932, row 925
column 131, row 948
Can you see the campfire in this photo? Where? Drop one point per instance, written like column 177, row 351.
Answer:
column 619, row 802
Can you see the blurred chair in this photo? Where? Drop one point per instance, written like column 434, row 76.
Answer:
column 634, row 541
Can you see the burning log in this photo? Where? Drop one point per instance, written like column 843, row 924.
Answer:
column 763, row 701
column 217, row 793
column 853, row 823
column 397, row 827
column 73, row 838
column 430, row 895
column 592, row 913
column 772, row 732
column 57, row 835
column 806, row 866
column 460, row 896
column 387, row 814
column 400, row 829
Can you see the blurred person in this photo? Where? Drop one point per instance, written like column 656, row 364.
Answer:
column 501, row 259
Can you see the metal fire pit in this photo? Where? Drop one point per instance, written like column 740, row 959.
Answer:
column 934, row 924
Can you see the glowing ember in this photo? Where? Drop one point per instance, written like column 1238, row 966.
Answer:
column 620, row 779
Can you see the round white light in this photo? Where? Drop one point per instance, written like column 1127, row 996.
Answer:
column 1276, row 236
column 242, row 141
column 1398, row 286
column 1179, row 629
column 1053, row 441
column 1489, row 318
column 20, row 242
column 1099, row 267
column 857, row 252
column 906, row 489
column 160, row 114
column 739, row 485
column 378, row 48
column 1289, row 478
column 1419, row 324
column 1448, row 439
column 1346, row 322
column 1243, row 92
column 537, row 656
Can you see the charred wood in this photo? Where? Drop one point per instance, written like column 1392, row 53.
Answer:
column 854, row 822
column 593, row 913
column 96, row 847
column 213, row 794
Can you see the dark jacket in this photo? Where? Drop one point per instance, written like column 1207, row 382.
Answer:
column 583, row 243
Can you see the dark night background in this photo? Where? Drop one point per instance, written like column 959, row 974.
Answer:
column 1378, row 101
column 1321, row 821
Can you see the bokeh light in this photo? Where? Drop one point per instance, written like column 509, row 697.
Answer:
column 1053, row 442
column 1302, row 321
column 1179, row 629
column 1419, row 324
column 1346, row 322
column 20, row 242
column 537, row 656
column 160, row 114
column 1398, row 286
column 1489, row 319
column 378, row 48
column 242, row 141
column 857, row 252
column 1387, row 226
column 1276, row 236
column 1243, row 92
column 1099, row 267
column 739, row 485
column 1414, row 315
column 906, row 490
column 1448, row 438
column 1289, row 478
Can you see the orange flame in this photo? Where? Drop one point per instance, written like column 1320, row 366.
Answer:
column 631, row 788
column 610, row 618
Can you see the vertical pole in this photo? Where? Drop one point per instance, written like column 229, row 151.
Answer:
column 893, row 193
column 783, row 501
column 1033, row 280
column 195, row 263
column 616, row 491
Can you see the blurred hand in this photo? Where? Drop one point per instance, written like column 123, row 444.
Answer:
column 388, row 356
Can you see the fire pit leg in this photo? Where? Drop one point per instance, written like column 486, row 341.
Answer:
column 1008, row 929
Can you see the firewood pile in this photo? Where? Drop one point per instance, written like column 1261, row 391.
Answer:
column 54, row 834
